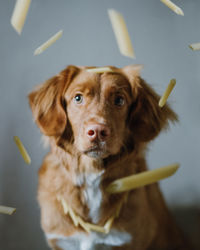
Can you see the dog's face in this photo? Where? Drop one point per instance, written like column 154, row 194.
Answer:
column 97, row 109
column 104, row 113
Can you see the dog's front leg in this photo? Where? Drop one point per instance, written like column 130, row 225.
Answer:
column 52, row 244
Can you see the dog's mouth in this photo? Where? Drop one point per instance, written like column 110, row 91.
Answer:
column 97, row 151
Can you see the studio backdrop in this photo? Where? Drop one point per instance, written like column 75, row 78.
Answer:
column 160, row 39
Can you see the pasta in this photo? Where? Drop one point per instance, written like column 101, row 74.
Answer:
column 167, row 92
column 19, row 14
column 141, row 179
column 121, row 33
column 173, row 7
column 48, row 43
column 22, row 150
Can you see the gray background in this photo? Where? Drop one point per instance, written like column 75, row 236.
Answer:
column 160, row 39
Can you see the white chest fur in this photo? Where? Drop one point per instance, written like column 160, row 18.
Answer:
column 92, row 193
column 93, row 241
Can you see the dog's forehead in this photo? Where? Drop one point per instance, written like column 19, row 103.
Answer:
column 104, row 83
column 84, row 79
column 103, row 80
column 114, row 80
column 85, row 76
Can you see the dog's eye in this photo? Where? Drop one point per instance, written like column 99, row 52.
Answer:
column 78, row 98
column 119, row 101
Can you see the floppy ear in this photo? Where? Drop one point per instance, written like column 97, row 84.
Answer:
column 48, row 105
column 146, row 118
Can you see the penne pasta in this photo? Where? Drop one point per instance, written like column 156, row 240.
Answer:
column 108, row 224
column 96, row 228
column 7, row 210
column 124, row 200
column 19, row 14
column 173, row 7
column 99, row 70
column 22, row 150
column 167, row 92
column 73, row 217
column 83, row 225
column 48, row 43
column 65, row 206
column 195, row 46
column 141, row 179
column 121, row 33
column 88, row 227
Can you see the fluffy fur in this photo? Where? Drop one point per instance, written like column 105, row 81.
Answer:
column 99, row 126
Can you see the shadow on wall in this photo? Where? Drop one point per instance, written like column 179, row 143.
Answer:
column 189, row 220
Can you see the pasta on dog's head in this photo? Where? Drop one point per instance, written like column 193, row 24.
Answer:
column 99, row 115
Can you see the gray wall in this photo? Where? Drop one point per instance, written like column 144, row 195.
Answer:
column 160, row 38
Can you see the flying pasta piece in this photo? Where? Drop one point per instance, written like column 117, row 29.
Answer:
column 22, row 150
column 141, row 179
column 121, row 33
column 124, row 200
column 83, row 225
column 99, row 70
column 195, row 46
column 99, row 229
column 173, row 7
column 19, row 14
column 77, row 220
column 65, row 206
column 7, row 210
column 167, row 92
column 108, row 224
column 73, row 217
column 48, row 43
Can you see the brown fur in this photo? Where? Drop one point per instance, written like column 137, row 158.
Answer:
column 132, row 126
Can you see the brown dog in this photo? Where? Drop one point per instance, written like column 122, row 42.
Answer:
column 98, row 127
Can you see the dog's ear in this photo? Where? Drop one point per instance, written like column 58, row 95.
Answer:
column 48, row 104
column 146, row 118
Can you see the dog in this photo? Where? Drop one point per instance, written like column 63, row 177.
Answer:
column 99, row 126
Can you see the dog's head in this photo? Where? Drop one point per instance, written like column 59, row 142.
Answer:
column 99, row 114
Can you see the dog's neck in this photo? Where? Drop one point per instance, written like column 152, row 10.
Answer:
column 88, row 176
column 91, row 176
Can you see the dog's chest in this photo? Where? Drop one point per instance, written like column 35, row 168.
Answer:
column 92, row 193
column 93, row 241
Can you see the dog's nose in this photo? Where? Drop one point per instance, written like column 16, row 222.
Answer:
column 98, row 132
